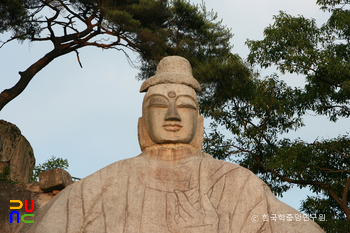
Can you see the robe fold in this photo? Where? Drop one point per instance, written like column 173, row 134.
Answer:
column 130, row 196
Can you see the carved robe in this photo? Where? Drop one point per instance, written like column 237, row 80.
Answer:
column 140, row 195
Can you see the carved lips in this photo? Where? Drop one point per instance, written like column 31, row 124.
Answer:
column 172, row 127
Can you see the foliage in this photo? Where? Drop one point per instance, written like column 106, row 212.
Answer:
column 14, row 17
column 297, row 45
column 5, row 176
column 195, row 34
column 50, row 164
column 259, row 112
column 335, row 221
column 150, row 28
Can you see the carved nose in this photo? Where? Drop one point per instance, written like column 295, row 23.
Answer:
column 172, row 114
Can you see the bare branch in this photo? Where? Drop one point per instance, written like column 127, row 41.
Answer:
column 5, row 42
column 76, row 51
column 49, row 22
column 70, row 11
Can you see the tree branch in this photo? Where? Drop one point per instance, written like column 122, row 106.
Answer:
column 330, row 147
column 76, row 51
column 342, row 203
column 26, row 76
column 330, row 170
column 345, row 200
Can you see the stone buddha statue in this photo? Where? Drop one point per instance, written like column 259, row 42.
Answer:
column 171, row 187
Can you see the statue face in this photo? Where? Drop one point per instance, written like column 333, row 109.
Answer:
column 170, row 113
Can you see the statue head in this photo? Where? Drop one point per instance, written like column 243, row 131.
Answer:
column 170, row 113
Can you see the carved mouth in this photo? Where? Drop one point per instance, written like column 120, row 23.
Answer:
column 172, row 127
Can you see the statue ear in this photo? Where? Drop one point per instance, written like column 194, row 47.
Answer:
column 198, row 138
column 144, row 139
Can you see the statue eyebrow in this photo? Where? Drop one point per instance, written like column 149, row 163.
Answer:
column 183, row 95
column 153, row 95
column 191, row 97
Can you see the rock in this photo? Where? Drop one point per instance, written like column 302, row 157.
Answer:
column 16, row 152
column 56, row 179
column 11, row 192
column 33, row 187
column 3, row 164
column 54, row 192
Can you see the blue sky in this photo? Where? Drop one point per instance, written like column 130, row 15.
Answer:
column 89, row 116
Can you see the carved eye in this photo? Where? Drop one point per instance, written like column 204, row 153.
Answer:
column 186, row 102
column 158, row 101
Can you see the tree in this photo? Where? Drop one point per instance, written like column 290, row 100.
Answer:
column 50, row 164
column 259, row 111
column 151, row 28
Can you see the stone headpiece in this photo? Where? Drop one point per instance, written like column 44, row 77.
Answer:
column 173, row 69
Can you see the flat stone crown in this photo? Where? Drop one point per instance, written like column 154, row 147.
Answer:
column 173, row 69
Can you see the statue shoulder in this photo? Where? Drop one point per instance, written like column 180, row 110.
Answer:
column 242, row 177
column 82, row 196
column 207, row 158
column 110, row 174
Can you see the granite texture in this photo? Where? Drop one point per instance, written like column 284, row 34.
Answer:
column 15, row 152
column 171, row 187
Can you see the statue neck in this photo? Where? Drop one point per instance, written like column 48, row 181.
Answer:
column 171, row 153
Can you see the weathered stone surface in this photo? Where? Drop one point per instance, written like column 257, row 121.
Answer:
column 16, row 152
column 171, row 187
column 3, row 165
column 175, row 70
column 11, row 192
column 55, row 192
column 33, row 187
column 56, row 179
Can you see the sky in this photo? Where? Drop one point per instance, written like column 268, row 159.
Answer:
column 89, row 115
